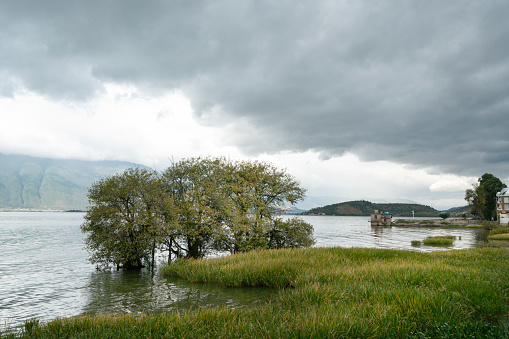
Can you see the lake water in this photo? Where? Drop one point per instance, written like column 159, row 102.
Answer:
column 44, row 271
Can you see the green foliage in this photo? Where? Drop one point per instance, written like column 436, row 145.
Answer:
column 476, row 329
column 488, row 225
column 195, row 206
column 440, row 240
column 365, row 208
column 491, row 186
column 482, row 196
column 504, row 236
column 444, row 215
column 124, row 221
column 328, row 293
column 476, row 199
column 500, row 230
column 292, row 233
column 226, row 205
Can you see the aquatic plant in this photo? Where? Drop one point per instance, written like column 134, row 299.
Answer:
column 440, row 240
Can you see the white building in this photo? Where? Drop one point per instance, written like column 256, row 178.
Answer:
column 503, row 206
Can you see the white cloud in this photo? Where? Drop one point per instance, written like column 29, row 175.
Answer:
column 452, row 185
column 348, row 177
column 125, row 124
column 122, row 124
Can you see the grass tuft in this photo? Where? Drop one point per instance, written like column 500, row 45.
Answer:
column 440, row 240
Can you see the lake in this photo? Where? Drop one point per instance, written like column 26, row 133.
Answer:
column 44, row 271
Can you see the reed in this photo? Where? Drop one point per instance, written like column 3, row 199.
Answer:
column 503, row 236
column 500, row 230
column 500, row 233
column 327, row 292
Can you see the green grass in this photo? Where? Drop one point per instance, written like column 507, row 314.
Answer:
column 478, row 227
column 328, row 292
column 504, row 236
column 441, row 240
column 403, row 221
column 426, row 222
column 500, row 230
column 416, row 243
column 501, row 233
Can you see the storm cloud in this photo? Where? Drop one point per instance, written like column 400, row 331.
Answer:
column 419, row 83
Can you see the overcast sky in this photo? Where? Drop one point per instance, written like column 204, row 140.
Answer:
column 379, row 100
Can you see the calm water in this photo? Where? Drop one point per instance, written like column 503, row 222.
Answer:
column 44, row 271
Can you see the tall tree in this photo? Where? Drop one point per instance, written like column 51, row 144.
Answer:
column 475, row 197
column 263, row 188
column 196, row 205
column 123, row 223
column 200, row 204
column 491, row 185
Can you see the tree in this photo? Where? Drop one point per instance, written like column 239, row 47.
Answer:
column 476, row 199
column 444, row 215
column 260, row 189
column 194, row 206
column 292, row 233
column 491, row 185
column 226, row 205
column 123, row 223
column 201, row 204
column 482, row 197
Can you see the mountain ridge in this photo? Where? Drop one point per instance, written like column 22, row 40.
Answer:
column 31, row 183
column 365, row 208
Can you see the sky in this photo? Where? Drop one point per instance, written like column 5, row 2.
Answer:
column 378, row 100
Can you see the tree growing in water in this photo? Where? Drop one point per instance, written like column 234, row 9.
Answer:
column 123, row 223
column 194, row 206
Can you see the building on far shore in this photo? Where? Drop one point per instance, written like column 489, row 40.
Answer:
column 380, row 219
column 503, row 207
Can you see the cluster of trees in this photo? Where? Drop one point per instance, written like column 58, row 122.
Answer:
column 482, row 197
column 194, row 206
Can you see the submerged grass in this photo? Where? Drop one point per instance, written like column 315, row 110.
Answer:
column 416, row 243
column 440, row 240
column 328, row 292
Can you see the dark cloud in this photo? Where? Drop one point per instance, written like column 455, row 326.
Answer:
column 423, row 83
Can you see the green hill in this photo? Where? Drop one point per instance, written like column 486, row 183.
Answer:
column 50, row 184
column 365, row 208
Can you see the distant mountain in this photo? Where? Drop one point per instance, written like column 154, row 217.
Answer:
column 314, row 201
column 365, row 208
column 291, row 210
column 457, row 211
column 51, row 184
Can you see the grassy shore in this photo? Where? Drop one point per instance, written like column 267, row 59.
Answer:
column 329, row 292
